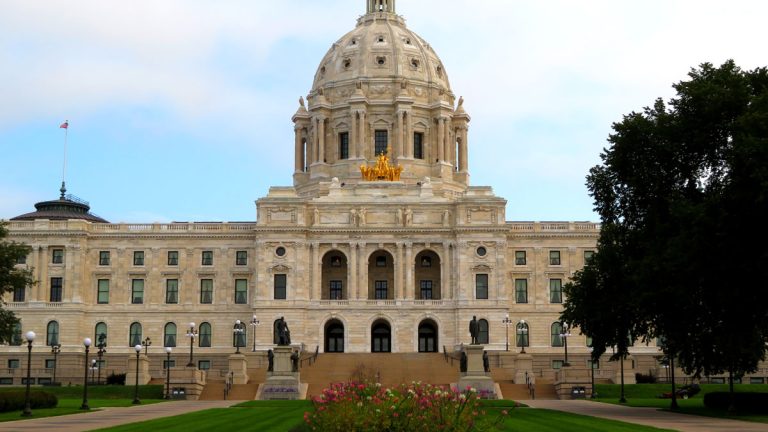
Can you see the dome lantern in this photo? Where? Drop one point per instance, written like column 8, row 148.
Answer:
column 376, row 6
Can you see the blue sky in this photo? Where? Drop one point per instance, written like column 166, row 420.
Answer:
column 180, row 109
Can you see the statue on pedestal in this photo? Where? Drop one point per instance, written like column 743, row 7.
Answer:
column 486, row 362
column 282, row 333
column 270, row 361
column 474, row 329
column 463, row 362
column 295, row 361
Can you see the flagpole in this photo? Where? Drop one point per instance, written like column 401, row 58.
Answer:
column 63, row 189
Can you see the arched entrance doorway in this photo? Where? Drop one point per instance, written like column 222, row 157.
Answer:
column 428, row 336
column 334, row 336
column 381, row 337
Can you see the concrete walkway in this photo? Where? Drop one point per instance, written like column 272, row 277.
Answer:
column 649, row 416
column 108, row 417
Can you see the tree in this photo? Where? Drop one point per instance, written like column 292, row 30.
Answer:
column 11, row 278
column 683, row 195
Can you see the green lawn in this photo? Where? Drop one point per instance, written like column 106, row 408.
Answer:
column 71, row 397
column 646, row 395
column 288, row 416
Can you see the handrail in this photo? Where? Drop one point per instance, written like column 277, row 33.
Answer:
column 311, row 358
column 449, row 358
column 229, row 383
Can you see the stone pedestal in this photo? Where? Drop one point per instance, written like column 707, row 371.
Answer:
column 186, row 382
column 282, row 383
column 130, row 374
column 476, row 377
column 523, row 368
column 239, row 368
column 572, row 382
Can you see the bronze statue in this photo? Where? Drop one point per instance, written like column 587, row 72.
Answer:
column 295, row 361
column 474, row 329
column 463, row 362
column 486, row 362
column 282, row 333
column 270, row 361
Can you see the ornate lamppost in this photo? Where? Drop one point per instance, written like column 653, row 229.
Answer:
column 30, row 336
column 565, row 335
column 102, row 349
column 84, row 406
column 191, row 334
column 93, row 369
column 136, row 400
column 237, row 333
column 168, row 351
column 55, row 350
column 146, row 343
column 506, row 321
column 522, row 331
column 254, row 323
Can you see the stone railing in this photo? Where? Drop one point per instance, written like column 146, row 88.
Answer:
column 154, row 228
column 553, row 227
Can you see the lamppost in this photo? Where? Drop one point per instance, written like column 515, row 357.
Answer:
column 84, row 406
column 168, row 373
column 592, row 372
column 55, row 350
column 254, row 323
column 522, row 331
column 506, row 321
column 136, row 400
column 237, row 333
column 191, row 334
column 93, row 369
column 565, row 335
column 30, row 336
column 102, row 349
column 146, row 343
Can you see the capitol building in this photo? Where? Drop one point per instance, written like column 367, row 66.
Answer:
column 382, row 243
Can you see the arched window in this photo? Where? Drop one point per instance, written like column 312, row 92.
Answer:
column 52, row 334
column 100, row 334
column 522, row 334
column 556, row 331
column 16, row 336
column 134, row 337
column 204, row 338
column 482, row 331
column 169, row 336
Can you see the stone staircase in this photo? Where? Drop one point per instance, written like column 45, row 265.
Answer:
column 390, row 369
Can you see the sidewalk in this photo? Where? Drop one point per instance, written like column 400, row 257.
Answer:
column 649, row 416
column 108, row 417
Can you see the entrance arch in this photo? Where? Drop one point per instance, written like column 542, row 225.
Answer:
column 381, row 337
column 381, row 276
column 428, row 341
column 335, row 276
column 428, row 283
column 334, row 336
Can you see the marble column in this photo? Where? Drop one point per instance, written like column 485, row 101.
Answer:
column 353, row 134
column 299, row 157
column 440, row 139
column 352, row 284
column 399, row 272
column 363, row 273
column 361, row 129
column 321, row 140
column 316, row 272
column 409, row 291
column 463, row 153
column 399, row 136
column 409, row 135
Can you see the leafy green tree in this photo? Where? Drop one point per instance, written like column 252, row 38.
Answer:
column 11, row 278
column 683, row 197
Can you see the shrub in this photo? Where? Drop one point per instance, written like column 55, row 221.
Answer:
column 415, row 406
column 756, row 403
column 645, row 379
column 116, row 379
column 15, row 400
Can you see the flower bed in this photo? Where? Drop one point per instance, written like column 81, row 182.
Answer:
column 409, row 407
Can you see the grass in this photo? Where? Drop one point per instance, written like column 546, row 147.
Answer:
column 71, row 397
column 646, row 395
column 288, row 416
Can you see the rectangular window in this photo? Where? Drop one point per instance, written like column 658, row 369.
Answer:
column 335, row 290
column 281, row 282
column 555, row 290
column 344, row 145
column 138, row 258
column 172, row 291
column 50, row 363
column 102, row 291
column 757, row 380
column 588, row 256
column 241, row 258
column 380, row 142
column 241, row 291
column 13, row 363
column 380, row 290
column 481, row 286
column 104, row 258
column 19, row 294
column 418, row 145
column 21, row 260
column 169, row 363
column 57, row 256
column 207, row 258
column 557, row 364
column 554, row 258
column 204, row 364
column 594, row 364
column 6, row 381
column 521, row 290
column 425, row 287
column 206, row 291
column 137, row 291
column 44, row 381
column 173, row 258
column 520, row 258
column 57, row 284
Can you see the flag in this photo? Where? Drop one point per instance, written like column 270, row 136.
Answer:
column 64, row 125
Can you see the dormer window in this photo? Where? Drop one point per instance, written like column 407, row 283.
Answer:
column 381, row 61
column 415, row 63
column 347, row 63
column 380, row 39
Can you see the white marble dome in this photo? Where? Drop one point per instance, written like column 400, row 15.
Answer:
column 381, row 47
